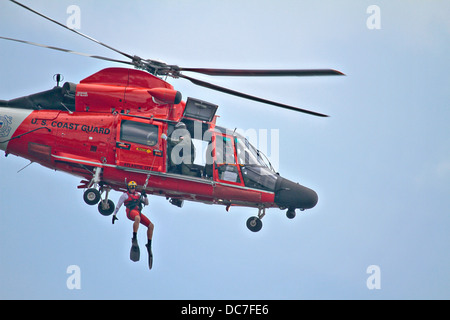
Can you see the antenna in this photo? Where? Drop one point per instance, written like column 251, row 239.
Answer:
column 58, row 78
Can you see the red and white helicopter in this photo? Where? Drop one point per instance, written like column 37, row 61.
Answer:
column 124, row 124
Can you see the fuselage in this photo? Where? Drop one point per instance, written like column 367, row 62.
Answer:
column 115, row 120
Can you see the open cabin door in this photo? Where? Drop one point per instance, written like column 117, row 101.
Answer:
column 139, row 144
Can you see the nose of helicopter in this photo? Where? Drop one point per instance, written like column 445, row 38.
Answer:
column 292, row 195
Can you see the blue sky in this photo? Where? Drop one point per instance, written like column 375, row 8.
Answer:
column 380, row 163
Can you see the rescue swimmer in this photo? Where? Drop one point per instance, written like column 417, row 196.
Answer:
column 133, row 201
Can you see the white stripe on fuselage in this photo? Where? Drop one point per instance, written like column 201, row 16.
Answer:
column 10, row 120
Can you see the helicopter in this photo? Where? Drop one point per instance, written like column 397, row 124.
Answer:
column 128, row 124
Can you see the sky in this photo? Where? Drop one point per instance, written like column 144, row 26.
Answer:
column 380, row 163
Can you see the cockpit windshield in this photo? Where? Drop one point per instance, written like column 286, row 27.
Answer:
column 248, row 155
column 256, row 168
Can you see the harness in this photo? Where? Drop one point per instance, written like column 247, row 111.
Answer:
column 133, row 201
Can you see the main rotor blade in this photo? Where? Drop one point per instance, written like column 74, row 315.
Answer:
column 247, row 96
column 73, row 30
column 66, row 50
column 265, row 73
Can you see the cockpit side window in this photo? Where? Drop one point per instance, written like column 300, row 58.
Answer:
column 225, row 160
column 225, row 150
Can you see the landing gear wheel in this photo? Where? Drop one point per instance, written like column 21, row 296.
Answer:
column 106, row 209
column 254, row 224
column 91, row 196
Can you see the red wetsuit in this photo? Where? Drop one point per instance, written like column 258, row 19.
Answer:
column 134, row 206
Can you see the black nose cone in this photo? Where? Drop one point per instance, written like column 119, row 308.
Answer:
column 292, row 195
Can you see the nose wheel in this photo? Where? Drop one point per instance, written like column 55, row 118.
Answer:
column 255, row 224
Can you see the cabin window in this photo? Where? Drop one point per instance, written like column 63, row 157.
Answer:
column 138, row 132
